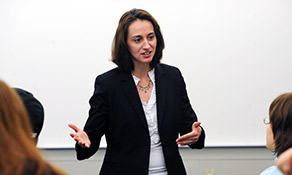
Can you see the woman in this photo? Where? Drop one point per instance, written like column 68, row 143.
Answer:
column 19, row 156
column 141, row 106
column 279, row 130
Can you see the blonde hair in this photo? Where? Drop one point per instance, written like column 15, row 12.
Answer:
column 18, row 154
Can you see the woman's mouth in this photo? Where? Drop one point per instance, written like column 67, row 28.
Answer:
column 146, row 53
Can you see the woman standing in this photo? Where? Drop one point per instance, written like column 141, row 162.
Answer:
column 141, row 106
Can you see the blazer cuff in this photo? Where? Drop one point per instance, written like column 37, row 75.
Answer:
column 201, row 142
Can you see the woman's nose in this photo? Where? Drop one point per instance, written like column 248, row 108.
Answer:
column 146, row 44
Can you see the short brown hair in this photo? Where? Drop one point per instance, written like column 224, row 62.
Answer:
column 120, row 52
column 281, row 121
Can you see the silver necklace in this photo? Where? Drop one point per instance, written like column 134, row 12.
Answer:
column 144, row 88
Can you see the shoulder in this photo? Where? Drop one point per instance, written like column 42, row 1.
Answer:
column 112, row 77
column 166, row 66
column 168, row 69
column 272, row 170
column 109, row 74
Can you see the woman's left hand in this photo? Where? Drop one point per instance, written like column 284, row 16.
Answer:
column 192, row 137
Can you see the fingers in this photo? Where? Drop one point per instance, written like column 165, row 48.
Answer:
column 84, row 144
column 195, row 134
column 187, row 142
column 191, row 137
column 81, row 141
column 74, row 127
column 80, row 136
column 188, row 136
column 196, row 125
column 73, row 135
column 187, row 139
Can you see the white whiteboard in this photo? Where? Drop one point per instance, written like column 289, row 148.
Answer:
column 235, row 56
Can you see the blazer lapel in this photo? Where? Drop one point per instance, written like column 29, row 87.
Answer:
column 133, row 96
column 161, row 91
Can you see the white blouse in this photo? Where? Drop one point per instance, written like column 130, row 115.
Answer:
column 156, row 162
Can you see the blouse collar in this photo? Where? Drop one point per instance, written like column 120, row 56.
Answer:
column 150, row 74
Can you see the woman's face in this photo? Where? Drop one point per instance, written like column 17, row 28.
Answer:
column 270, row 138
column 141, row 41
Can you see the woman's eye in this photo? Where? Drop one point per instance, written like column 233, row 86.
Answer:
column 151, row 37
column 137, row 40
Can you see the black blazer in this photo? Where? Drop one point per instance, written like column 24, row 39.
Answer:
column 116, row 111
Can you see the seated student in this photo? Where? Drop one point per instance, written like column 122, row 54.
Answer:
column 279, row 130
column 35, row 111
column 284, row 162
column 18, row 154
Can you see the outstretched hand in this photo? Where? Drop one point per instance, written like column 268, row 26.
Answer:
column 192, row 137
column 80, row 136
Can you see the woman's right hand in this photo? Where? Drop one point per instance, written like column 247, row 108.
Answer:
column 80, row 136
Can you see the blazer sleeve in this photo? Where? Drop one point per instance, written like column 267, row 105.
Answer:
column 96, row 123
column 189, row 117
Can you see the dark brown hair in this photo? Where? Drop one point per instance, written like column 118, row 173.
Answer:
column 17, row 148
column 120, row 52
column 281, row 121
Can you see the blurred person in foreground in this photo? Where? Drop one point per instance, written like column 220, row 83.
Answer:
column 284, row 162
column 35, row 111
column 279, row 130
column 18, row 153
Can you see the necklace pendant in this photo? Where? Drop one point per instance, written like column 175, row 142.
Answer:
column 144, row 88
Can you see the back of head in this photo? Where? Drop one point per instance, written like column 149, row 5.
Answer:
column 35, row 110
column 18, row 153
column 281, row 122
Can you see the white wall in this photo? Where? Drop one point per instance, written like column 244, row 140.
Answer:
column 235, row 57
